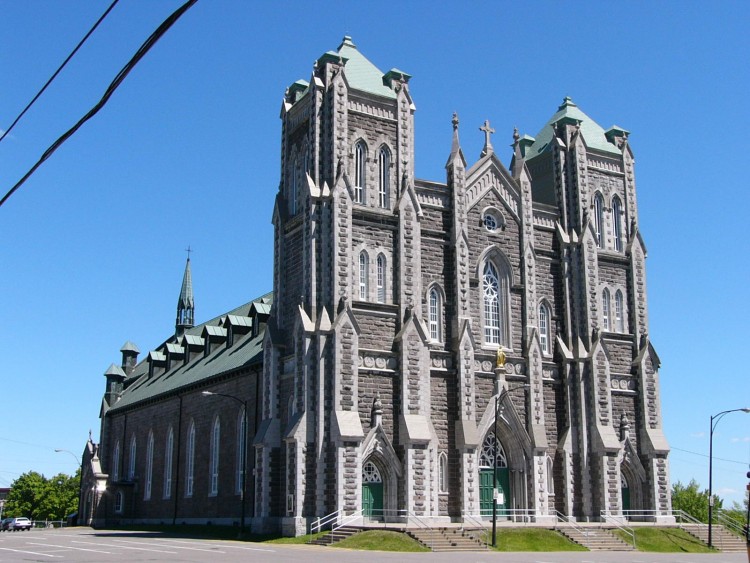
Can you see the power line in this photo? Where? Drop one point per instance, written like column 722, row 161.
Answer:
column 140, row 53
column 704, row 455
column 73, row 52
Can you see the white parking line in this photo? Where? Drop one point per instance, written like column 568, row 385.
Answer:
column 70, row 547
column 172, row 546
column 123, row 547
column 29, row 552
column 223, row 545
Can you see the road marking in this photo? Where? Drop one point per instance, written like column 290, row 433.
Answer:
column 223, row 545
column 29, row 552
column 123, row 547
column 70, row 547
column 215, row 550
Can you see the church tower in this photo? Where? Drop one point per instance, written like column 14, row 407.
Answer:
column 185, row 303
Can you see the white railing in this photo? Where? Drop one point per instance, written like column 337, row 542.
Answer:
column 619, row 522
column 563, row 519
column 320, row 524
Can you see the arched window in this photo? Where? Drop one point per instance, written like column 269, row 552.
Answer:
column 599, row 219
column 544, row 328
column 213, row 471
column 605, row 310
column 241, row 445
column 617, row 222
column 492, row 452
column 116, row 462
column 364, row 272
column 381, row 278
column 435, row 315
column 168, row 453
column 495, row 294
column 293, row 188
column 149, row 466
column 371, row 473
column 118, row 502
column 190, row 461
column 550, row 477
column 131, row 461
column 442, row 473
column 360, row 171
column 384, row 167
column 619, row 312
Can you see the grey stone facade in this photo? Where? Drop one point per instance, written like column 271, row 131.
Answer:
column 381, row 387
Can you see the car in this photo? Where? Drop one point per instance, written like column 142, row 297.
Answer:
column 17, row 524
column 4, row 524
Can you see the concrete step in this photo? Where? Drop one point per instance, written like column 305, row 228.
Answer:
column 449, row 539
column 336, row 535
column 596, row 539
column 722, row 539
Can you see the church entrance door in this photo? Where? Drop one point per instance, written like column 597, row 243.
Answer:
column 372, row 491
column 625, row 490
column 493, row 472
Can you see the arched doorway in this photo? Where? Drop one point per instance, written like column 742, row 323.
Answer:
column 372, row 491
column 625, row 491
column 493, row 472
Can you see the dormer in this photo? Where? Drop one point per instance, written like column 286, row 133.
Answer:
column 260, row 311
column 193, row 345
column 157, row 361
column 115, row 376
column 129, row 357
column 212, row 337
column 175, row 353
column 236, row 326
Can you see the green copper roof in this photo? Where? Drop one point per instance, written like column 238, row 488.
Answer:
column 593, row 134
column 361, row 73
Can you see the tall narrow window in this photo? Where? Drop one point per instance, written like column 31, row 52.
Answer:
column 617, row 222
column 384, row 166
column 190, row 461
column 214, row 460
column 293, row 188
column 619, row 313
column 599, row 219
column 168, row 464
column 550, row 477
column 131, row 461
column 360, row 171
column 605, row 310
column 364, row 271
column 241, row 445
column 495, row 295
column 381, row 278
column 443, row 473
column 149, row 466
column 118, row 502
column 435, row 309
column 116, row 462
column 544, row 328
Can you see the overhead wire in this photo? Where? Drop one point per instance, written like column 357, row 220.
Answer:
column 140, row 53
column 70, row 56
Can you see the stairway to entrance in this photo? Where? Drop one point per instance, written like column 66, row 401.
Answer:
column 595, row 539
column 723, row 539
column 449, row 539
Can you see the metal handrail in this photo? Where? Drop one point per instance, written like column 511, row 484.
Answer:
column 400, row 516
column 619, row 522
column 318, row 525
column 562, row 518
column 728, row 522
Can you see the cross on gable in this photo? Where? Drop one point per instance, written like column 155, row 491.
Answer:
column 487, row 132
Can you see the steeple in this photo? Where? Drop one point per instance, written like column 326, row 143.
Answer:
column 185, row 304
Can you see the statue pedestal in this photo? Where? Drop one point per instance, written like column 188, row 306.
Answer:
column 500, row 383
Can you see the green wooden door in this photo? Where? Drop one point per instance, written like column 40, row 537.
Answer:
column 372, row 499
column 487, row 492
column 625, row 496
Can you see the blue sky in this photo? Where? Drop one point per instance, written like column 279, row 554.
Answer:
column 187, row 153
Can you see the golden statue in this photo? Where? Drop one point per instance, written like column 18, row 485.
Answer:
column 500, row 358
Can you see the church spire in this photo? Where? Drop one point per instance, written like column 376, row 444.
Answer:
column 185, row 304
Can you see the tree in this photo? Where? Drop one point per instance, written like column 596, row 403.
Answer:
column 38, row 498
column 692, row 501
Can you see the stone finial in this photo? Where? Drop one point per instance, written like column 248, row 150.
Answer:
column 487, row 143
column 377, row 411
column 454, row 121
column 516, row 136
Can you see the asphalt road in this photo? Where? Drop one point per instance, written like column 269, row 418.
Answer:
column 101, row 546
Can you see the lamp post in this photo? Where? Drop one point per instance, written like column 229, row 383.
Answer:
column 499, row 495
column 243, row 470
column 80, row 478
column 714, row 421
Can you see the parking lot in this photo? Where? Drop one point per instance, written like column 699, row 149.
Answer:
column 87, row 545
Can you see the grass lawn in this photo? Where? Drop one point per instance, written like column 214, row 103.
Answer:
column 665, row 540
column 532, row 539
column 381, row 540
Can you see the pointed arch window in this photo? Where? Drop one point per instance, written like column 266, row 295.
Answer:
column 435, row 314
column 364, row 271
column 599, row 219
column 550, row 477
column 617, row 223
column 168, row 453
column 118, row 502
column 149, row 466
column 384, row 167
column 495, row 294
column 293, row 188
column 360, row 171
column 619, row 312
column 241, row 445
column 492, row 452
column 213, row 488
column 442, row 473
column 544, row 328
column 371, row 473
column 381, row 278
column 131, row 461
column 190, row 461
column 605, row 310
column 116, row 462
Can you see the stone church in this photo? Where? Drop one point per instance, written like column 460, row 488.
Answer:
column 429, row 348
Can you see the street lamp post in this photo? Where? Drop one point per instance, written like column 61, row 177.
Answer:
column 714, row 421
column 243, row 471
column 80, row 479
